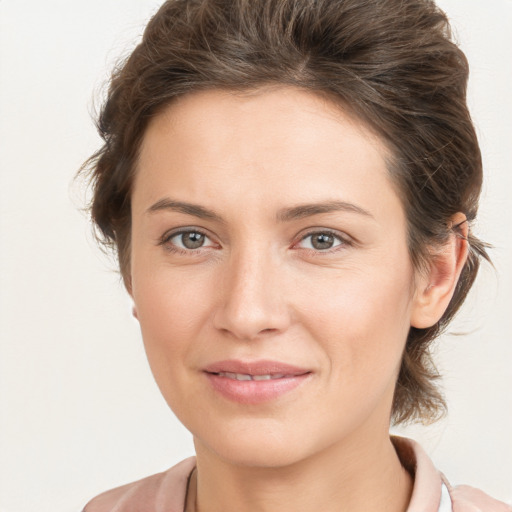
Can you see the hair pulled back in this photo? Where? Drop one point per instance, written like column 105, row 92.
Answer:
column 391, row 63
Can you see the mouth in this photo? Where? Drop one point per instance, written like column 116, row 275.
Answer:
column 254, row 382
column 247, row 376
column 260, row 368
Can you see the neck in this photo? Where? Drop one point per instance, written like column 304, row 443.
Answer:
column 352, row 476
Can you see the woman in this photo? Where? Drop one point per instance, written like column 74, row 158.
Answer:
column 290, row 187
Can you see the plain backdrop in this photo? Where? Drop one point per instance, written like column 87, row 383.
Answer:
column 79, row 411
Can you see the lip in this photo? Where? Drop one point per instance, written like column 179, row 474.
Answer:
column 260, row 367
column 288, row 377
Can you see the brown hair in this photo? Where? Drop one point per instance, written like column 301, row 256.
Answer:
column 391, row 62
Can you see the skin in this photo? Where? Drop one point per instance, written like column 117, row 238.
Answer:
column 259, row 289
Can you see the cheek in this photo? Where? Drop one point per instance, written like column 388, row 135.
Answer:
column 173, row 312
column 173, row 309
column 361, row 319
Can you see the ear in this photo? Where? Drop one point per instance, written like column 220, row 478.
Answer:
column 127, row 279
column 435, row 287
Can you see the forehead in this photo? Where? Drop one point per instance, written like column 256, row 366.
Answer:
column 271, row 145
column 269, row 110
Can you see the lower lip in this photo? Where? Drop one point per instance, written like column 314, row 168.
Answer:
column 254, row 391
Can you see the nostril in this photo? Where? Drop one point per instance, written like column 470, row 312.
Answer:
column 247, row 316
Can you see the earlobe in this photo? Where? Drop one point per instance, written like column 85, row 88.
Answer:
column 128, row 285
column 436, row 286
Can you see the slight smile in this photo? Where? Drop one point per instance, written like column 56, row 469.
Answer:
column 254, row 382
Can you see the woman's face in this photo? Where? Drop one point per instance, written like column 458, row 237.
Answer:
column 270, row 273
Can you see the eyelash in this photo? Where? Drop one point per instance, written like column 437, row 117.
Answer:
column 344, row 242
column 167, row 237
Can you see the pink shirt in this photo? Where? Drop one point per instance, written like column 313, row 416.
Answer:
column 165, row 492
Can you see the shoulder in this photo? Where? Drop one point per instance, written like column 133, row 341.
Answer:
column 163, row 491
column 427, row 489
column 468, row 499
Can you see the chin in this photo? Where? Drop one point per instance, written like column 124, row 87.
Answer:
column 260, row 454
column 256, row 445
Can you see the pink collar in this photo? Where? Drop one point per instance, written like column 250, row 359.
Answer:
column 165, row 492
column 426, row 493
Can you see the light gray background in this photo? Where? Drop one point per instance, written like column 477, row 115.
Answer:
column 79, row 411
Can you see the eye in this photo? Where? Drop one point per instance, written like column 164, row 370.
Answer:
column 321, row 241
column 187, row 240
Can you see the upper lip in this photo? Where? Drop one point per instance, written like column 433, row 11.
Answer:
column 261, row 367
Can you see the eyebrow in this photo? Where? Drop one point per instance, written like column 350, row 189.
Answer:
column 307, row 210
column 187, row 208
column 284, row 215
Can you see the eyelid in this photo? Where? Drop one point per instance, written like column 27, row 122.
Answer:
column 345, row 239
column 165, row 239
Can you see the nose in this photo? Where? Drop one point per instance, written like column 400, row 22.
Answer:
column 252, row 299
